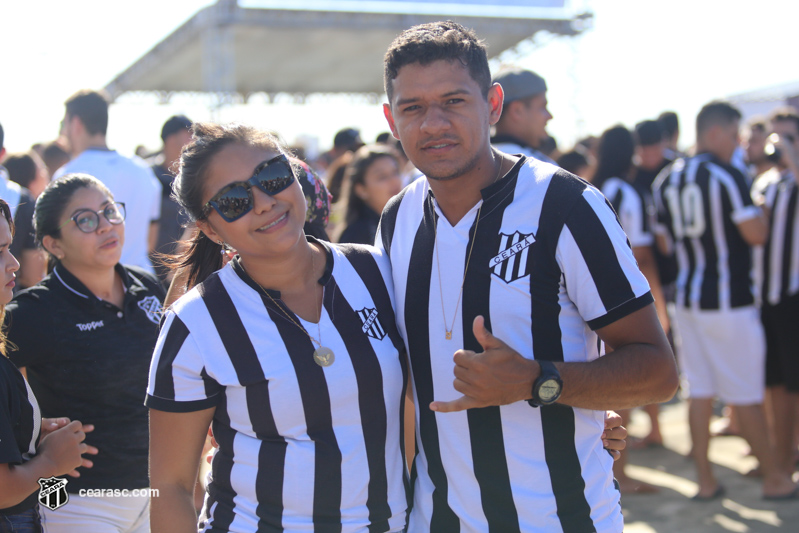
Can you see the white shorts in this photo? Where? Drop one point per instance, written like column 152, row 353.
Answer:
column 722, row 354
column 99, row 514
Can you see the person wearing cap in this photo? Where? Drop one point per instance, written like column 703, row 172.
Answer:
column 175, row 134
column 345, row 140
column 522, row 126
column 130, row 180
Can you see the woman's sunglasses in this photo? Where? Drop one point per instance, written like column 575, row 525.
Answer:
column 235, row 200
column 88, row 221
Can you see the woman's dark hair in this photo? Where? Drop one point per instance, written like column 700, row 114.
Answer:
column 21, row 168
column 6, row 212
column 356, row 175
column 49, row 211
column 202, row 256
column 616, row 149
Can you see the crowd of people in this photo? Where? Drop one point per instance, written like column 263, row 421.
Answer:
column 292, row 316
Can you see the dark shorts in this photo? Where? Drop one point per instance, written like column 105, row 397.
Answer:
column 781, row 323
column 24, row 522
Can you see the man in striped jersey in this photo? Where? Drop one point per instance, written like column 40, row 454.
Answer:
column 779, row 271
column 705, row 209
column 531, row 271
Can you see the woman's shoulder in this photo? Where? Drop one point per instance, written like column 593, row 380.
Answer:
column 146, row 278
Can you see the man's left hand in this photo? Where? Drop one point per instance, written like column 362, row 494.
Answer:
column 498, row 375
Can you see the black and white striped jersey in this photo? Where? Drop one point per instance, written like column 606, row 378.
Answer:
column 778, row 261
column 550, row 264
column 635, row 210
column 301, row 447
column 700, row 201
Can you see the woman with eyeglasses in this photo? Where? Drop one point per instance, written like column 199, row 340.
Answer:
column 290, row 352
column 85, row 335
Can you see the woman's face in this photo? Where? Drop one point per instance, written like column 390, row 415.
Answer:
column 274, row 224
column 8, row 263
column 101, row 248
column 381, row 181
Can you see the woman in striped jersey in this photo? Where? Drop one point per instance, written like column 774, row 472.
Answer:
column 291, row 353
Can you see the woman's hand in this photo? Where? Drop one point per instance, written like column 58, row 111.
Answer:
column 613, row 438
column 63, row 447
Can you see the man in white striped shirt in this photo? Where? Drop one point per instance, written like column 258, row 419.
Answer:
column 531, row 270
column 779, row 283
column 706, row 211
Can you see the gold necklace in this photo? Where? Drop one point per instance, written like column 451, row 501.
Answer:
column 448, row 332
column 323, row 356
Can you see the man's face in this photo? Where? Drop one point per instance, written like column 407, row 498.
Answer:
column 787, row 130
column 537, row 116
column 67, row 132
column 755, row 145
column 442, row 118
column 727, row 139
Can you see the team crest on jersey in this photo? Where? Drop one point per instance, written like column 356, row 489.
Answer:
column 152, row 307
column 53, row 492
column 371, row 324
column 510, row 263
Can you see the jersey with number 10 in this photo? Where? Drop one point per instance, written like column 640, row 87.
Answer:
column 700, row 202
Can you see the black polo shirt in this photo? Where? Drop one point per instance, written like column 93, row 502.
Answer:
column 89, row 360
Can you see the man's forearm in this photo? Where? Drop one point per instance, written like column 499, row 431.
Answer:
column 633, row 375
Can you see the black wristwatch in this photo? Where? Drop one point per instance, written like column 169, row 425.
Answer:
column 548, row 385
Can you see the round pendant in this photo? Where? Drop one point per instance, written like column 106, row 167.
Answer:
column 324, row 356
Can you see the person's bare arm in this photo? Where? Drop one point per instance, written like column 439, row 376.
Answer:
column 645, row 258
column 641, row 370
column 176, row 445
column 754, row 230
column 59, row 453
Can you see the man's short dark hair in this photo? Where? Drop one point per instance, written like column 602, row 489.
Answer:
column 648, row 133
column 785, row 114
column 2, row 136
column 92, row 109
column 757, row 123
column 435, row 41
column 670, row 123
column 714, row 114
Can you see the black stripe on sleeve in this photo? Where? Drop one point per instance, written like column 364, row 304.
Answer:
column 485, row 425
column 557, row 420
column 417, row 292
column 388, row 220
column 175, row 337
column 318, row 418
column 621, row 311
column 369, row 378
column 598, row 253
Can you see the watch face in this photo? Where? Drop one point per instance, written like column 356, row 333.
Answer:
column 549, row 390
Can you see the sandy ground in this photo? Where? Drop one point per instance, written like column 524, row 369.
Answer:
column 742, row 510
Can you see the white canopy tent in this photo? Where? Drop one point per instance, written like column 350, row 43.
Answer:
column 321, row 46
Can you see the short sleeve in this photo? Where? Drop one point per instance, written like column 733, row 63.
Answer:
column 600, row 273
column 737, row 189
column 155, row 195
column 26, row 318
column 178, row 379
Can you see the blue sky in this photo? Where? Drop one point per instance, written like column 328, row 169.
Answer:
column 640, row 58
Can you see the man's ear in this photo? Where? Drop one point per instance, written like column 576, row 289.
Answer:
column 496, row 97
column 390, row 119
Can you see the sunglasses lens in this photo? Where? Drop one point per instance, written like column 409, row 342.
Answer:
column 87, row 221
column 275, row 177
column 234, row 203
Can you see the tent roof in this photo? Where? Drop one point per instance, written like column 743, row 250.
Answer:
column 228, row 49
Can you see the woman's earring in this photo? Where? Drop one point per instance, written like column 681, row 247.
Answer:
column 224, row 249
